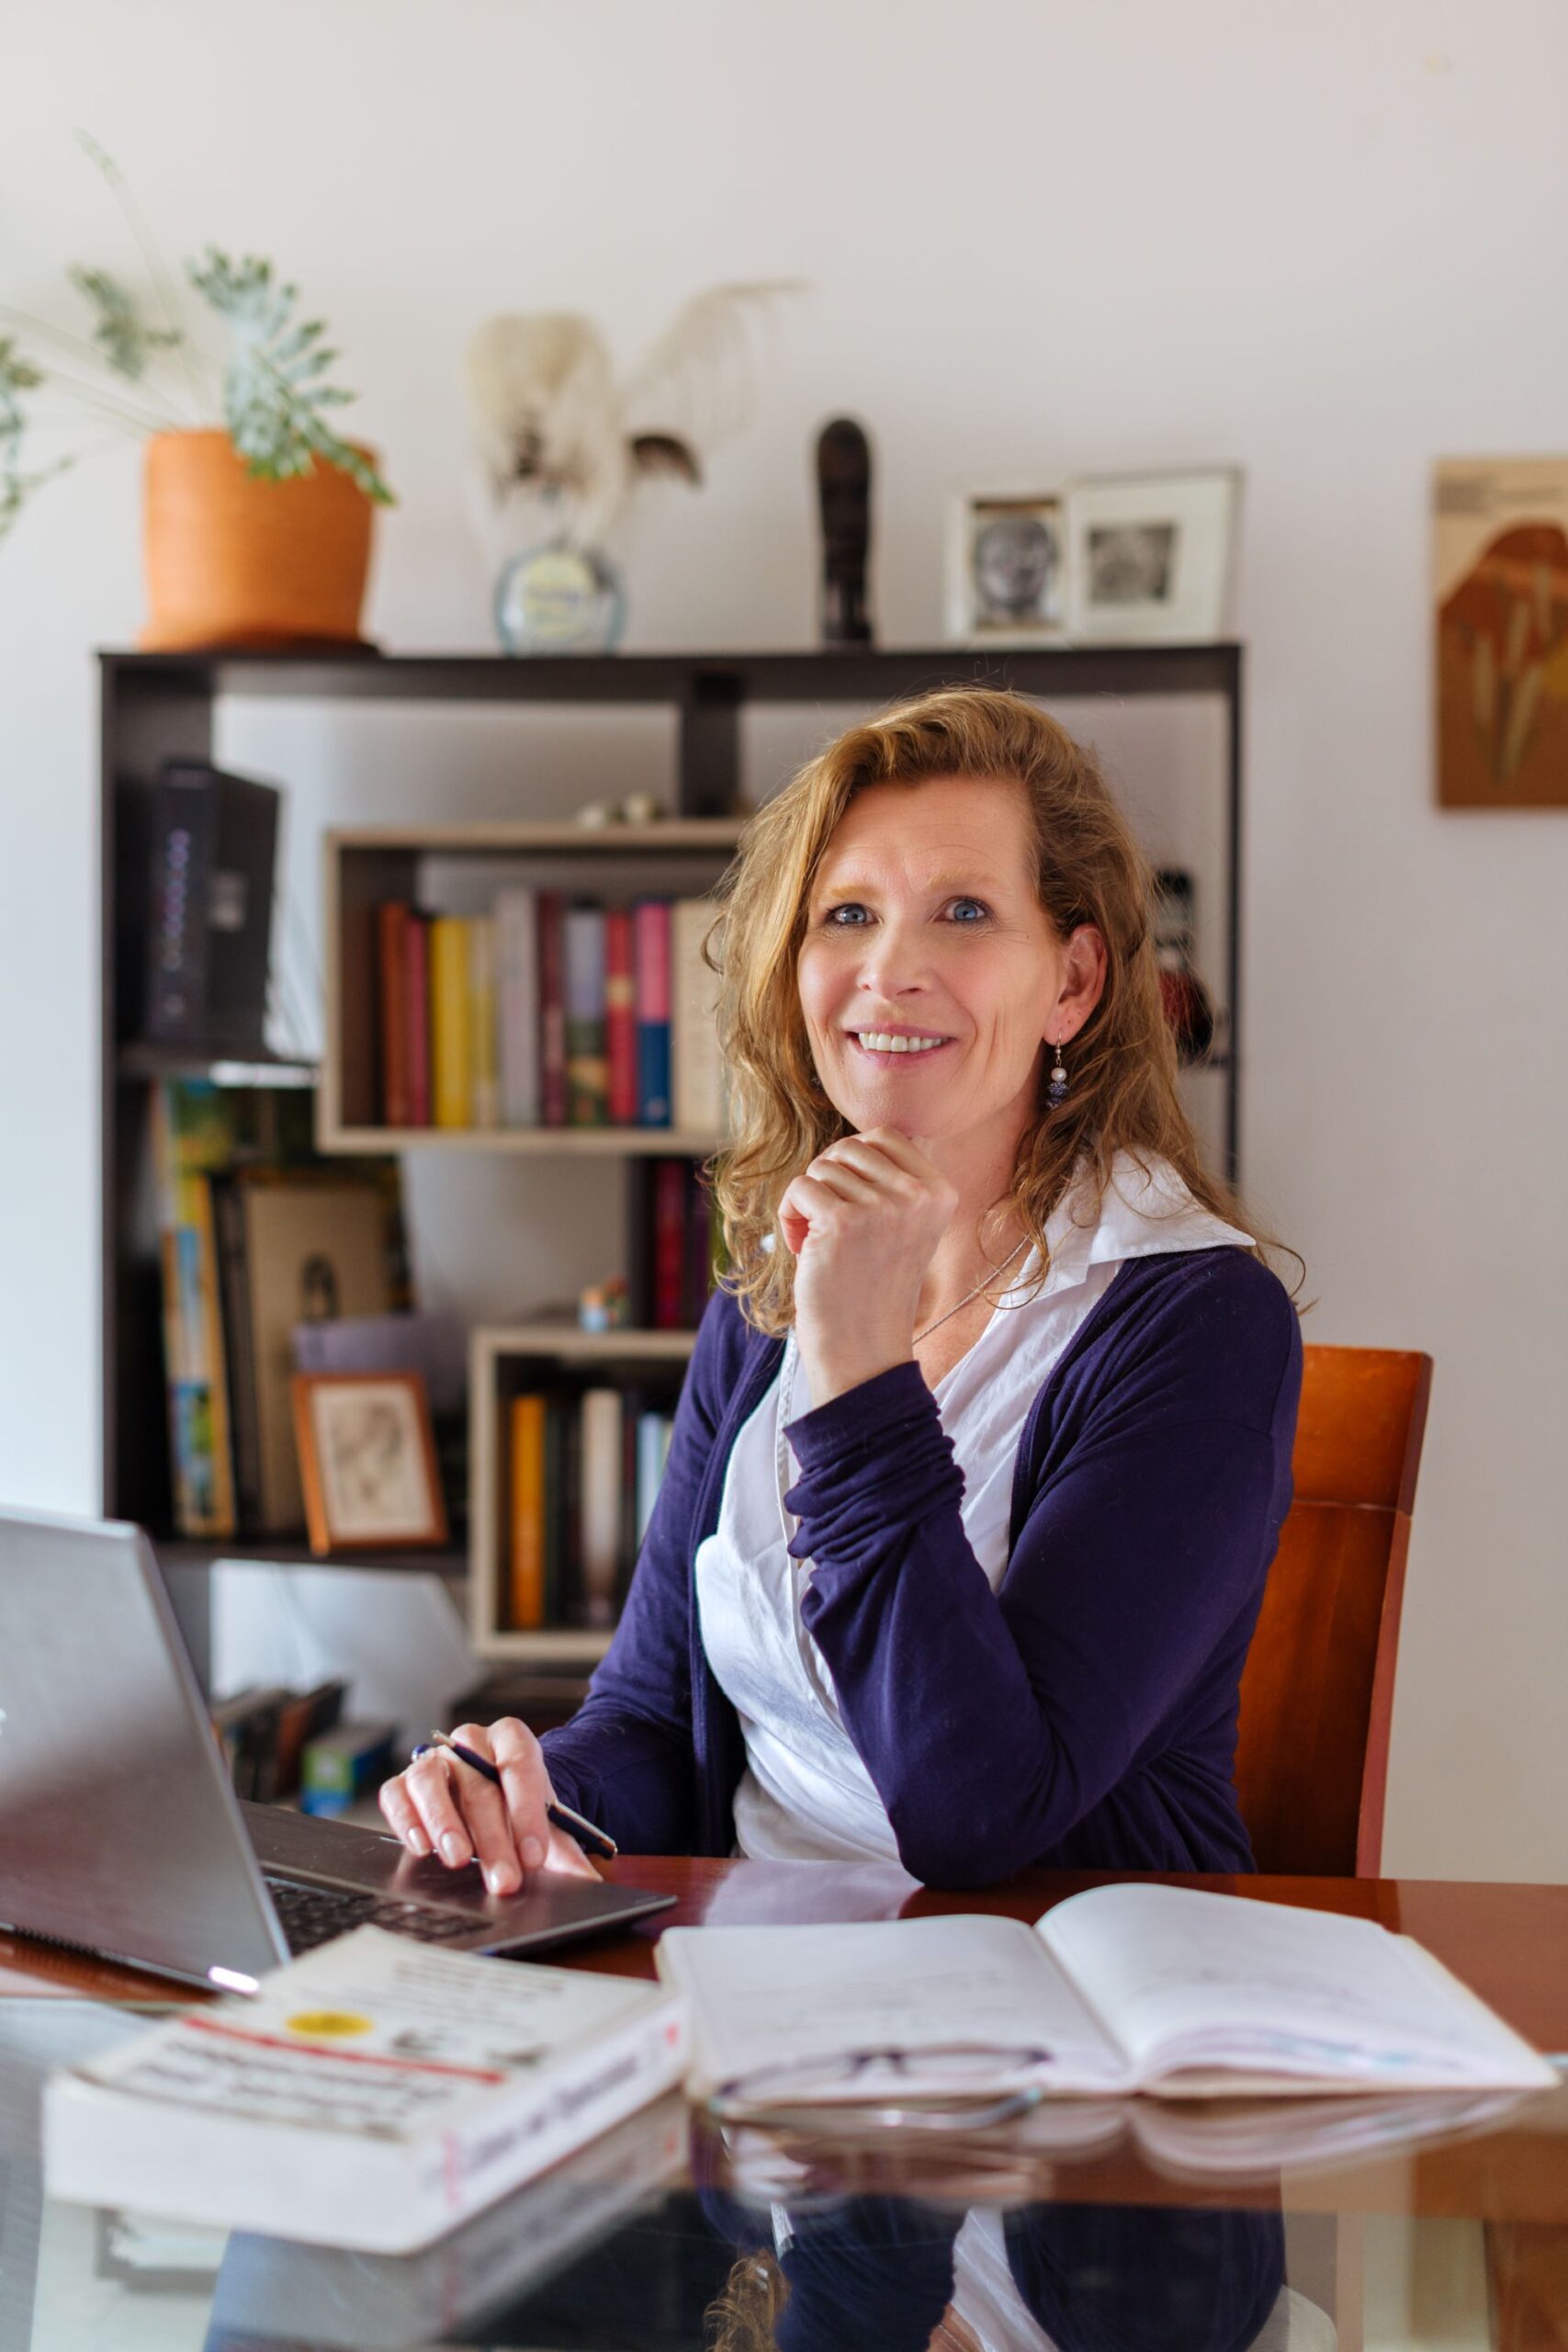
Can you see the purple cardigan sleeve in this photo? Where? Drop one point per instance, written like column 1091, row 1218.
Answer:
column 626, row 1758
column 992, row 1722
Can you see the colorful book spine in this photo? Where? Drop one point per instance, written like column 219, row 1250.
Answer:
column 600, row 1527
column 650, row 931
column 189, row 1398
column 620, row 1016
column 696, row 1064
column 450, row 1052
column 392, row 930
column 517, row 1006
column 586, row 1067
column 526, row 1588
column 551, row 917
column 484, row 1067
column 416, row 983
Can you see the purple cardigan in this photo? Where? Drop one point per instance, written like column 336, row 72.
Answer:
column 1084, row 1715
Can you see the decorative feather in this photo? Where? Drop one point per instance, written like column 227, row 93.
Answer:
column 549, row 417
column 697, row 380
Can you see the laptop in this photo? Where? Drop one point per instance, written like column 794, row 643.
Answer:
column 121, row 1832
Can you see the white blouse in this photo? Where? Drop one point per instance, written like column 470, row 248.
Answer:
column 805, row 1795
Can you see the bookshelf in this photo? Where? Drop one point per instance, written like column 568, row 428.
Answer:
column 157, row 707
column 502, row 1362
column 363, row 866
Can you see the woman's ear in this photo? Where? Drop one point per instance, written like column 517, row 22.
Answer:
column 1083, row 979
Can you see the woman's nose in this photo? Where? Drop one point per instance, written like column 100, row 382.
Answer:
column 894, row 961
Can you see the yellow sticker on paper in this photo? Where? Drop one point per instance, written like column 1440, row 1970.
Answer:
column 328, row 2025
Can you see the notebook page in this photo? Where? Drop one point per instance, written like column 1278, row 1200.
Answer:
column 1210, row 1981
column 781, row 1997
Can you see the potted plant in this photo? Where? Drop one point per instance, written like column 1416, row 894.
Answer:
column 258, row 514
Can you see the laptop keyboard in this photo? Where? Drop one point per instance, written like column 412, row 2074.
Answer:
column 314, row 1915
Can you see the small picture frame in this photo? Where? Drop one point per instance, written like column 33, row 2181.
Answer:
column 367, row 1462
column 1005, row 573
column 1151, row 557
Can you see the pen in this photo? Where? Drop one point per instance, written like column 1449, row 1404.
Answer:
column 587, row 1833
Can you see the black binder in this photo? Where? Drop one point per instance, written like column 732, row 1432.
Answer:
column 197, row 853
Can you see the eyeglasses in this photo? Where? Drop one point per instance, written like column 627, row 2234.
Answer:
column 956, row 2086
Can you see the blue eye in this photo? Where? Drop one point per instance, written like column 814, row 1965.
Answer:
column 978, row 912
column 849, row 917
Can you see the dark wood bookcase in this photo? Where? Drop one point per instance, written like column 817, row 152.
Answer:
column 157, row 707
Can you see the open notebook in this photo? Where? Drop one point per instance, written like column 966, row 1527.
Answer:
column 1127, row 1988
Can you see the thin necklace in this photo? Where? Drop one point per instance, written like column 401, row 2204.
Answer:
column 969, row 1297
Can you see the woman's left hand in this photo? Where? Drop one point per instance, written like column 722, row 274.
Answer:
column 864, row 1223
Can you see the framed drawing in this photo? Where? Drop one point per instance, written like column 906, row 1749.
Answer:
column 1004, row 577
column 1500, row 593
column 367, row 1462
column 1151, row 557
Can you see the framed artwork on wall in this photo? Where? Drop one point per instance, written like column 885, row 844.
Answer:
column 367, row 1462
column 1150, row 558
column 1500, row 624
column 1005, row 575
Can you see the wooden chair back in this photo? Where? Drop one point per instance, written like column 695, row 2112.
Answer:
column 1317, row 1693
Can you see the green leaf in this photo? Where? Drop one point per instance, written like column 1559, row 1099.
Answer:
column 273, row 395
column 120, row 331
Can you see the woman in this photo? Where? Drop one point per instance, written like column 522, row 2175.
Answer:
column 985, row 1447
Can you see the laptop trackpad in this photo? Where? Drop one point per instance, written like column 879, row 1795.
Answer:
column 336, row 1853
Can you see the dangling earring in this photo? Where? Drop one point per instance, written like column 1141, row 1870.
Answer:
column 1057, row 1090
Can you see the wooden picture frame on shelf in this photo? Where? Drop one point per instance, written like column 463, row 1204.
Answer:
column 367, row 1462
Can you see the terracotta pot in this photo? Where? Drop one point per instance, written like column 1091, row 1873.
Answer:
column 231, row 560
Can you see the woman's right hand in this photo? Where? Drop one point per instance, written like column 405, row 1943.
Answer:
column 440, row 1805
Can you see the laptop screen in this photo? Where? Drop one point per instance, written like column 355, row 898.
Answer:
column 118, row 1829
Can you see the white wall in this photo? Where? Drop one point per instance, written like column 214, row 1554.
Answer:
column 1325, row 243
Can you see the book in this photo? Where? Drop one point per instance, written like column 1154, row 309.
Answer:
column 587, row 1067
column 416, row 983
column 696, row 1064
column 196, row 853
column 671, row 1228
column 313, row 1251
column 484, row 1065
column 651, row 952
column 550, row 917
column 563, row 1466
column 525, row 1587
column 193, row 1474
column 343, row 1763
column 391, row 937
column 600, row 1526
column 517, row 1006
column 653, row 1435
column 374, row 2095
column 620, row 1016
column 238, row 1350
column 704, row 1246
column 1129, row 1989
column 450, row 1054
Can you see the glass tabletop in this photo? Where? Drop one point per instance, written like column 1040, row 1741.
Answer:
column 1097, row 2224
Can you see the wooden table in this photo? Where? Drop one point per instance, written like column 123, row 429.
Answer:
column 1509, row 1942
column 1504, row 2187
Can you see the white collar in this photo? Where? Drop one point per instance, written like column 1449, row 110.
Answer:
column 1145, row 1213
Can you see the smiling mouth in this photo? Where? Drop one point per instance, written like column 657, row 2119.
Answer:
column 890, row 1044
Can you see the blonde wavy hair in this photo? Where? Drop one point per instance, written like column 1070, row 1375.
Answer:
column 1124, row 1094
